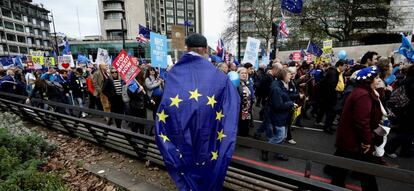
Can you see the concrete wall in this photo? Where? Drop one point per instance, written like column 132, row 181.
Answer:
column 135, row 15
column 355, row 52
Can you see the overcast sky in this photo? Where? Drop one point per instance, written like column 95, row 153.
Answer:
column 66, row 20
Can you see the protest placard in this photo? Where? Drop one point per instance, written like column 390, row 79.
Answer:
column 296, row 56
column 125, row 67
column 251, row 53
column 65, row 62
column 103, row 57
column 178, row 37
column 158, row 50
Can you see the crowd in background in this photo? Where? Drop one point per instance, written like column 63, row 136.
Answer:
column 365, row 100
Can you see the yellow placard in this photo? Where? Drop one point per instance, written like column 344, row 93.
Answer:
column 38, row 60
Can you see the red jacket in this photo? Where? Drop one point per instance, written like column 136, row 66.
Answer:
column 89, row 83
column 361, row 115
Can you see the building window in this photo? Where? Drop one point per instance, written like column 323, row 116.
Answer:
column 17, row 16
column 27, row 29
column 190, row 14
column 19, row 28
column 170, row 20
column 180, row 21
column 170, row 12
column 21, row 39
column 13, row 49
column 42, row 23
column 190, row 7
column 113, row 16
column 191, row 29
column 11, row 37
column 34, row 21
column 44, row 33
column 6, row 13
column 180, row 13
column 36, row 31
column 25, row 19
column 168, row 27
column 23, row 50
column 8, row 25
column 169, row 4
column 45, row 43
column 29, row 41
column 37, row 42
column 180, row 5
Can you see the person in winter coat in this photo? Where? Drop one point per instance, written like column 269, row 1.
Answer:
column 405, row 129
column 138, row 102
column 245, row 104
column 356, row 135
column 78, row 89
column 327, row 96
column 112, row 88
column 280, row 107
column 99, row 77
column 154, row 88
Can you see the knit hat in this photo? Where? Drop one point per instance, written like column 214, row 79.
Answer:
column 367, row 73
column 196, row 40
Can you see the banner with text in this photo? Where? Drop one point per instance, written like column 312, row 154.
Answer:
column 251, row 53
column 158, row 50
column 327, row 51
column 125, row 66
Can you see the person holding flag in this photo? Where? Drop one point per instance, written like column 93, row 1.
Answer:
column 196, row 125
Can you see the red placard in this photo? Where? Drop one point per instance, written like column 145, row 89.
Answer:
column 309, row 58
column 296, row 56
column 125, row 67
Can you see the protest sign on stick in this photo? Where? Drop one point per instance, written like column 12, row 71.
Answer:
column 125, row 66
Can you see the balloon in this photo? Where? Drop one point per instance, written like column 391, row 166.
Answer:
column 342, row 55
column 234, row 78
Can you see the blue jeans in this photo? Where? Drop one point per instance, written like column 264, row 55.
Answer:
column 279, row 135
column 265, row 127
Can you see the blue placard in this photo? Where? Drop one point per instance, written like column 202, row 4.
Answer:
column 158, row 50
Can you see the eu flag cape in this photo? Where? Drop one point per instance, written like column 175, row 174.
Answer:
column 196, row 125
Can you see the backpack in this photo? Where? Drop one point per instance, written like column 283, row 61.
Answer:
column 398, row 99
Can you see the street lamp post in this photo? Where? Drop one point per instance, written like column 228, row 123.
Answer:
column 123, row 34
column 54, row 30
column 239, row 31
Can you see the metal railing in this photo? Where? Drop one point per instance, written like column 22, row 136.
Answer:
column 241, row 174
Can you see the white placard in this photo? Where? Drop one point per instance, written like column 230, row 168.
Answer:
column 251, row 52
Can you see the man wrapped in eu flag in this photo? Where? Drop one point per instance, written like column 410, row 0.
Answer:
column 196, row 125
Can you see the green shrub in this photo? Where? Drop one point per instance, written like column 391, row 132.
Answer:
column 20, row 156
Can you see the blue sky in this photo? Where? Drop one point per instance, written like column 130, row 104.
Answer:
column 66, row 21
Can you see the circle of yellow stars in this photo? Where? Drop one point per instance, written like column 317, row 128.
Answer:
column 195, row 95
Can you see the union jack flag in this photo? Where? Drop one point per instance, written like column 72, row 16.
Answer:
column 143, row 34
column 141, row 39
column 284, row 31
column 221, row 51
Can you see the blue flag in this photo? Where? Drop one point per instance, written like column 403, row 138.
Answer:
column 144, row 31
column 133, row 86
column 314, row 49
column 83, row 59
column 196, row 125
column 406, row 49
column 188, row 23
column 66, row 49
column 293, row 6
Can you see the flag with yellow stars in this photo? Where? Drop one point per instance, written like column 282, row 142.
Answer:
column 196, row 125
